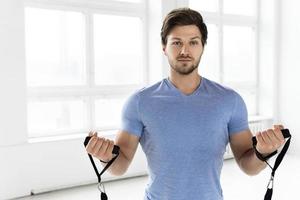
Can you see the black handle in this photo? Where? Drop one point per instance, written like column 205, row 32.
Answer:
column 285, row 133
column 115, row 150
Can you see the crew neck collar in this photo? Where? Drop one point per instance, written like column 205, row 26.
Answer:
column 195, row 92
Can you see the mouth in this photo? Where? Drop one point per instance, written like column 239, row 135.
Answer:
column 184, row 60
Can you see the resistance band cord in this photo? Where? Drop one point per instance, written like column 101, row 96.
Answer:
column 116, row 151
column 268, row 195
column 286, row 134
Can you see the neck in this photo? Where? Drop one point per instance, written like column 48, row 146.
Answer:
column 187, row 84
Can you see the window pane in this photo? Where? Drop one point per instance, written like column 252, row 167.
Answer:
column 239, row 54
column 238, row 7
column 209, row 64
column 108, row 112
column 118, row 50
column 50, row 117
column 131, row 1
column 204, row 5
column 55, row 50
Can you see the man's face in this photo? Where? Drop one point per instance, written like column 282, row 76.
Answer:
column 184, row 48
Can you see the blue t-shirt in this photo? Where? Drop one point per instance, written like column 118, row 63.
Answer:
column 184, row 137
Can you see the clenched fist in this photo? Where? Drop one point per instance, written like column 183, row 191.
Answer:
column 100, row 147
column 270, row 140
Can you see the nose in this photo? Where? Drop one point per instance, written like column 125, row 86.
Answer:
column 184, row 50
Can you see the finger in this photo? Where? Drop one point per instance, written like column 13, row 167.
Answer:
column 106, row 150
column 95, row 134
column 110, row 147
column 105, row 153
column 259, row 139
column 91, row 133
column 279, row 135
column 266, row 138
column 275, row 141
column 278, row 132
column 278, row 126
column 103, row 148
column 261, row 143
column 91, row 144
column 98, row 146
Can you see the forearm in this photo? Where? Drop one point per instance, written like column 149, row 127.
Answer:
column 250, row 164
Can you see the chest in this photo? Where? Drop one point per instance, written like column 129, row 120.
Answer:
column 189, row 126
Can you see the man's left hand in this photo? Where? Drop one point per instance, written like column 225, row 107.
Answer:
column 270, row 140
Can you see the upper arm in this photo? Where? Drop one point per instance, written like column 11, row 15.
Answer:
column 131, row 127
column 240, row 143
column 128, row 144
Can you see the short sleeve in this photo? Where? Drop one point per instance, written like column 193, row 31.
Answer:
column 239, row 117
column 130, row 119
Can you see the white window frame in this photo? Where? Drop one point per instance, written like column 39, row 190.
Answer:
column 219, row 18
column 90, row 91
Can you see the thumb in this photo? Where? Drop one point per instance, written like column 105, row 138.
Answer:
column 93, row 133
column 279, row 126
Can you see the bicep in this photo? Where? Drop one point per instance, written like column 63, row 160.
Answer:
column 240, row 143
column 128, row 144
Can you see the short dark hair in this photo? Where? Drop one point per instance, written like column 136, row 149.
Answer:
column 182, row 17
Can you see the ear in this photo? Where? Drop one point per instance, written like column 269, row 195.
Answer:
column 164, row 49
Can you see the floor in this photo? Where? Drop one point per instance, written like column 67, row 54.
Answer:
column 236, row 185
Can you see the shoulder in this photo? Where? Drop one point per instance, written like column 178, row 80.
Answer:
column 218, row 89
column 148, row 90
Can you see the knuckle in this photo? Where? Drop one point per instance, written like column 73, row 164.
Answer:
column 106, row 142
column 94, row 153
column 269, row 131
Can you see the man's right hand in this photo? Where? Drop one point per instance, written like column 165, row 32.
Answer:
column 100, row 147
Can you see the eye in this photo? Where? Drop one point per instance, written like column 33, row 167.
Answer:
column 176, row 43
column 194, row 42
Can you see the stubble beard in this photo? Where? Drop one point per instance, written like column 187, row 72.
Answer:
column 183, row 68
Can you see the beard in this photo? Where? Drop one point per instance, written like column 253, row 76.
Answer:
column 184, row 68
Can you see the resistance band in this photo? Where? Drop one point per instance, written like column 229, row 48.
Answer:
column 116, row 151
column 286, row 134
column 268, row 195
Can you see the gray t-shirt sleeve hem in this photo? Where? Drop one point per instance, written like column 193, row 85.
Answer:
column 236, row 130
column 131, row 131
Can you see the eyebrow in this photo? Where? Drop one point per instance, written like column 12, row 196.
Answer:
column 177, row 38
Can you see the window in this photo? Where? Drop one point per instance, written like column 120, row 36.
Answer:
column 124, row 34
column 238, row 52
column 209, row 63
column 55, row 47
column 203, row 5
column 81, row 63
column 230, row 54
column 236, row 7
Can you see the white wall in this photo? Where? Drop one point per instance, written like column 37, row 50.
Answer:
column 28, row 166
column 289, row 80
column 267, row 62
column 12, row 101
column 12, row 90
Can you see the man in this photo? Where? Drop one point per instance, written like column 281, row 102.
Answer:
column 184, row 123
